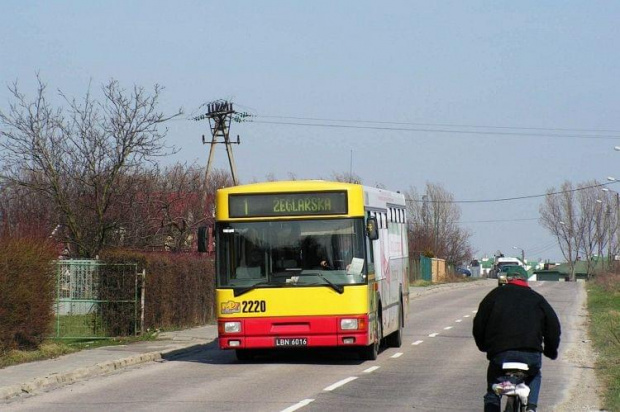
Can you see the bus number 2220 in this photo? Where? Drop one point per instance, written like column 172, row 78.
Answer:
column 253, row 306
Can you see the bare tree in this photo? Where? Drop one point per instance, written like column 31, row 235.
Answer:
column 559, row 215
column 218, row 179
column 346, row 177
column 433, row 225
column 593, row 221
column 418, row 223
column 77, row 156
column 611, row 201
column 166, row 207
column 25, row 214
column 582, row 220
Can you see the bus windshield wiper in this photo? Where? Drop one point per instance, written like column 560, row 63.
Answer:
column 337, row 288
column 243, row 291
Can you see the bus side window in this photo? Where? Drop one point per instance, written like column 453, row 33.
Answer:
column 370, row 255
column 372, row 229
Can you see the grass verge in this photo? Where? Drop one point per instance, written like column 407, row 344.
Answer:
column 54, row 348
column 604, row 309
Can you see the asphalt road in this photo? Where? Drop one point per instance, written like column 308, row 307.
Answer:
column 438, row 368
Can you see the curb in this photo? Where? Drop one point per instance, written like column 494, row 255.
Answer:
column 99, row 369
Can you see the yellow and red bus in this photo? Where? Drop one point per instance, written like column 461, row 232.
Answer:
column 305, row 264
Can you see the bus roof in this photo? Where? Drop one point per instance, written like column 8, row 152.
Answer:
column 368, row 196
column 288, row 185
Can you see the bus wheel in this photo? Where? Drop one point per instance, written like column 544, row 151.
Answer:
column 371, row 351
column 395, row 339
column 244, row 355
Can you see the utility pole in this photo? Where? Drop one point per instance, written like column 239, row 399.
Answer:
column 611, row 237
column 425, row 221
column 220, row 114
column 616, row 226
column 522, row 254
column 351, row 166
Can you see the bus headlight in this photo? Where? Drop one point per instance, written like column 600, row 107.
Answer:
column 349, row 324
column 232, row 327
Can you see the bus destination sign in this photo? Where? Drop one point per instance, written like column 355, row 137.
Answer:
column 287, row 204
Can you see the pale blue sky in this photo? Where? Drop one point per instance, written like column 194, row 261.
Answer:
column 512, row 65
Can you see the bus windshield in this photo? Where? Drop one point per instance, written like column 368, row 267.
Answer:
column 292, row 253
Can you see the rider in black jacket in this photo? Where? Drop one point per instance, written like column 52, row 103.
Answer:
column 515, row 324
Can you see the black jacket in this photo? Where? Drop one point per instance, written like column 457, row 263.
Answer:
column 513, row 317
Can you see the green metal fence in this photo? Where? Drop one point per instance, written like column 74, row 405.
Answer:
column 420, row 268
column 426, row 268
column 96, row 300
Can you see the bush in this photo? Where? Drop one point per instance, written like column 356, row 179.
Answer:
column 179, row 288
column 604, row 309
column 27, row 285
column 179, row 291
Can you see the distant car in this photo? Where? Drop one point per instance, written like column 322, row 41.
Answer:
column 463, row 271
column 497, row 270
column 500, row 262
column 501, row 276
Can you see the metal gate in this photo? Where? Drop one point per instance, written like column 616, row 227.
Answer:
column 426, row 268
column 97, row 300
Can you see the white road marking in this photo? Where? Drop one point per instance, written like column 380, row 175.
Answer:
column 432, row 335
column 396, row 355
column 371, row 369
column 447, row 328
column 417, row 342
column 298, row 405
column 459, row 320
column 466, row 316
column 340, row 383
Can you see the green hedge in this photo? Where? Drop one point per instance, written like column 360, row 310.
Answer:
column 179, row 287
column 27, row 286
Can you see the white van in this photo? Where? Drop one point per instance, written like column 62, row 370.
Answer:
column 501, row 262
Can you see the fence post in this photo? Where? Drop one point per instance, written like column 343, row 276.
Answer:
column 142, row 295
column 58, row 277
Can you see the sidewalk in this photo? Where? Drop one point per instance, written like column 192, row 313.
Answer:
column 47, row 374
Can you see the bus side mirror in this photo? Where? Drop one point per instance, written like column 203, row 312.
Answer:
column 202, row 239
column 371, row 228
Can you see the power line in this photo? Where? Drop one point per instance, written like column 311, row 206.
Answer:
column 506, row 199
column 555, row 129
column 539, row 250
column 498, row 220
column 453, row 131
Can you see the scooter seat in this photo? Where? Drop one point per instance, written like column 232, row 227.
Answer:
column 515, row 365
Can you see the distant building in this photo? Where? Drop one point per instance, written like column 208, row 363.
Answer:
column 561, row 271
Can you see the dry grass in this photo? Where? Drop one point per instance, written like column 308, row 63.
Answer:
column 604, row 309
column 47, row 350
column 53, row 348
